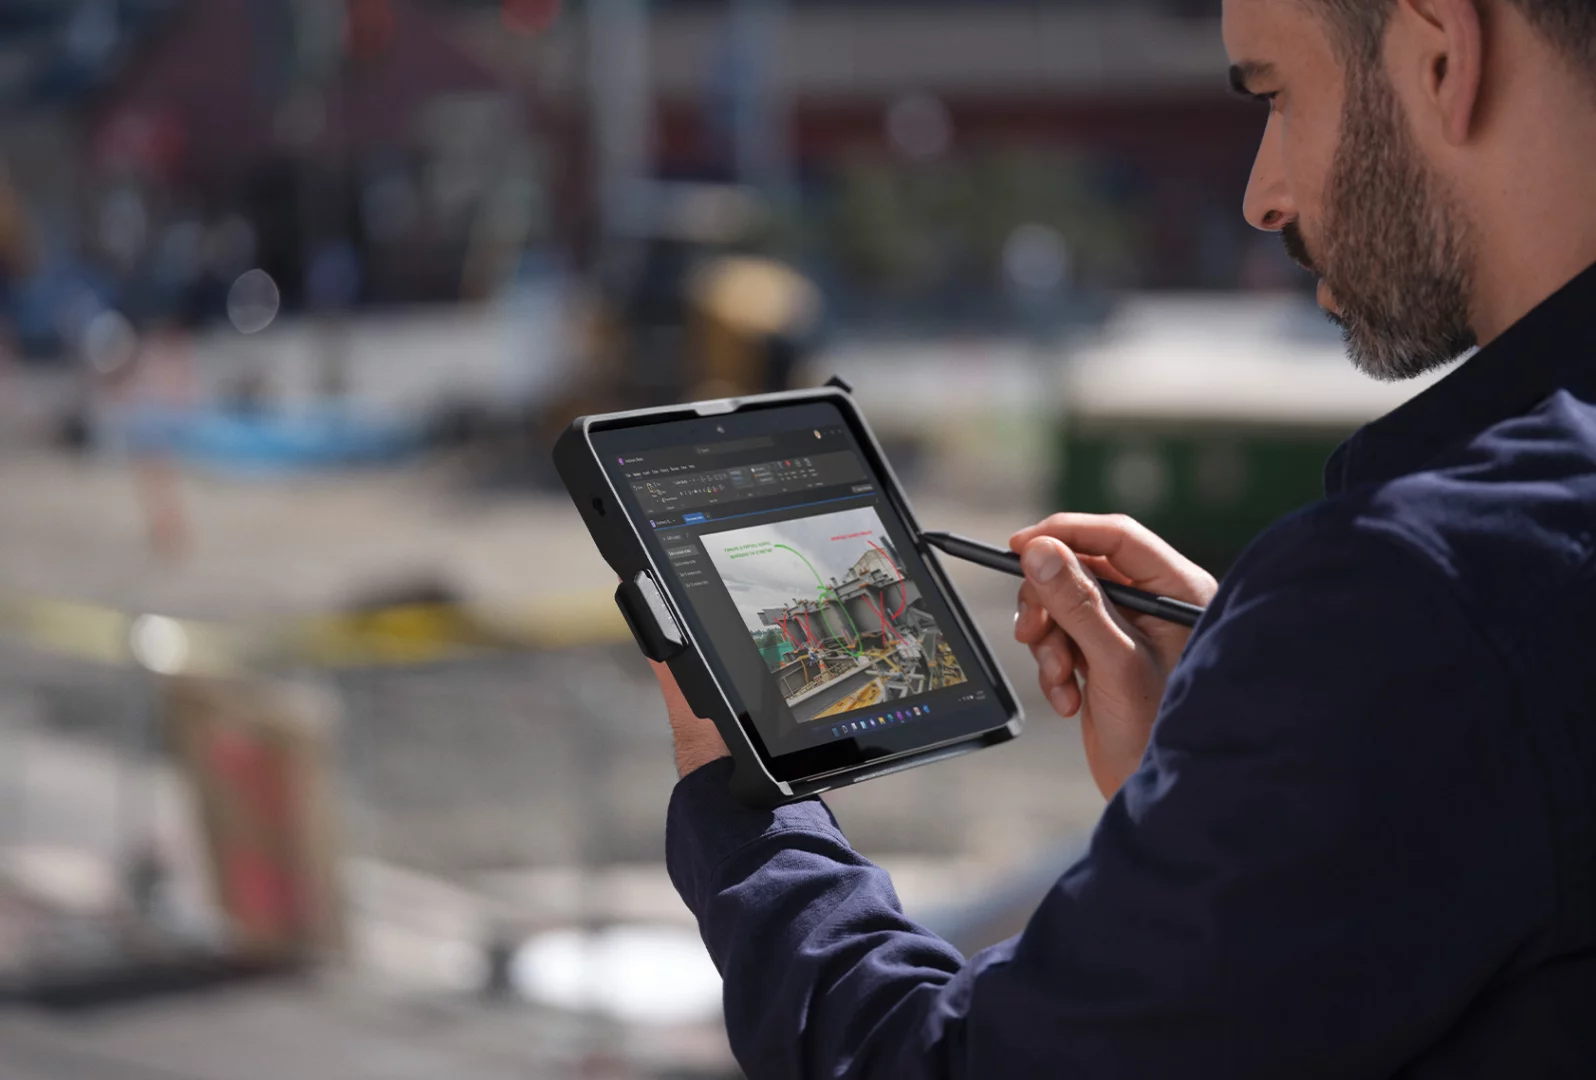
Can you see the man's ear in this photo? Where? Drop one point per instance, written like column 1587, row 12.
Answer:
column 1450, row 40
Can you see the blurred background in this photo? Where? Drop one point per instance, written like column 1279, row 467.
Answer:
column 322, row 749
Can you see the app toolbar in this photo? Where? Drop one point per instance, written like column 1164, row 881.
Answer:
column 675, row 487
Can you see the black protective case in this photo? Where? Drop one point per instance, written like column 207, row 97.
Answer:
column 662, row 634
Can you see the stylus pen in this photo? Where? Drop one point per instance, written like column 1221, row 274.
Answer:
column 995, row 558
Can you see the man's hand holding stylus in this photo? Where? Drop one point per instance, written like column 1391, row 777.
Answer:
column 1122, row 659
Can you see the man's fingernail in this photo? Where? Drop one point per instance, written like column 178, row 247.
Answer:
column 1022, row 611
column 1042, row 562
column 1060, row 700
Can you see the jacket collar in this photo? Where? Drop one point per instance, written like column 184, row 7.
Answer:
column 1551, row 348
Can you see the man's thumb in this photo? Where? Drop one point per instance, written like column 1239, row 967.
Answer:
column 1072, row 597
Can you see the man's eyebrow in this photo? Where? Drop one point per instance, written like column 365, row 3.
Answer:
column 1242, row 76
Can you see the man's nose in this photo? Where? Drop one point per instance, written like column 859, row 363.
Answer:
column 1268, row 204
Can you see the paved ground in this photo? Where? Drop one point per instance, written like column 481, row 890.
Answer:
column 327, row 1031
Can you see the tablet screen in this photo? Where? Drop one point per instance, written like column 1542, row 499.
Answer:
column 785, row 557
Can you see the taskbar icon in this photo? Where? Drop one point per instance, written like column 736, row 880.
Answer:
column 870, row 723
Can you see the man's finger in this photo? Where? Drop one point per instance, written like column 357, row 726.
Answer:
column 1103, row 569
column 1031, row 620
column 1076, row 604
column 1066, row 700
column 1129, row 546
column 1057, row 683
column 1055, row 660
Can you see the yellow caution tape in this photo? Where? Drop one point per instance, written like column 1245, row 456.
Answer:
column 401, row 634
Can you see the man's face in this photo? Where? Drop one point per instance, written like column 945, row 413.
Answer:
column 1339, row 176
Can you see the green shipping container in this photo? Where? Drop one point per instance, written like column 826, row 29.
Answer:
column 776, row 655
column 1209, row 418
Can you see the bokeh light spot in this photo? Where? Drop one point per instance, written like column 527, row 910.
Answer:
column 253, row 301
column 159, row 644
column 109, row 342
column 919, row 126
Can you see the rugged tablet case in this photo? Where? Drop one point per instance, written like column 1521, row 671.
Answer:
column 662, row 634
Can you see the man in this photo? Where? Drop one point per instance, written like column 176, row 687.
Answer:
column 1352, row 819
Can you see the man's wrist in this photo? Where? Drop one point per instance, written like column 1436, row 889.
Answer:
column 697, row 744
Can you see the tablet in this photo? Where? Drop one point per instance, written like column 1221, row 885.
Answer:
column 768, row 554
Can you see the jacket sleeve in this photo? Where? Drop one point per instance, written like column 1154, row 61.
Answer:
column 1322, row 859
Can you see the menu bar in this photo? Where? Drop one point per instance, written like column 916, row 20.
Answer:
column 678, row 489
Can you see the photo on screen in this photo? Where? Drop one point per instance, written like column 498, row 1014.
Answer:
column 827, row 603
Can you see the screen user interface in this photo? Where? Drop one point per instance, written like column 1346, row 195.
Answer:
column 791, row 562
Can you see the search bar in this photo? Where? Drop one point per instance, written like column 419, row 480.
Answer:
column 759, row 443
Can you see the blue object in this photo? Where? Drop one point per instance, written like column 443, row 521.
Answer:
column 325, row 436
column 1362, row 841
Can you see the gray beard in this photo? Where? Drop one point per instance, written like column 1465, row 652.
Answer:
column 1396, row 245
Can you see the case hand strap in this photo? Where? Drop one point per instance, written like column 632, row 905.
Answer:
column 649, row 617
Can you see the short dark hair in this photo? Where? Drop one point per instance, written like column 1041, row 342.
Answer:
column 1359, row 26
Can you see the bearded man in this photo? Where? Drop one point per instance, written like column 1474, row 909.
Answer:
column 1351, row 828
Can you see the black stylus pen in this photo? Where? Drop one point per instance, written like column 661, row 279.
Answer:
column 995, row 558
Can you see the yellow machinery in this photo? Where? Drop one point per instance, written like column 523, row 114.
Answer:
column 862, row 698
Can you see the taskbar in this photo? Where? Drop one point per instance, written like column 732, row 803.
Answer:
column 899, row 714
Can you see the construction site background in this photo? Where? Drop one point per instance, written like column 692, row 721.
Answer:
column 323, row 751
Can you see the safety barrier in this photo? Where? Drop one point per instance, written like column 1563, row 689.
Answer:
column 403, row 634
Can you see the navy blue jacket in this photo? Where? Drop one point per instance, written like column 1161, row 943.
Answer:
column 1362, row 842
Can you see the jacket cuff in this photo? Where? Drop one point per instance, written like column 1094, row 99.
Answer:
column 705, row 825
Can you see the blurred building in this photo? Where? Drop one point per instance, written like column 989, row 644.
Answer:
column 935, row 158
column 351, row 150
column 978, row 162
column 330, row 128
